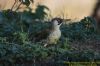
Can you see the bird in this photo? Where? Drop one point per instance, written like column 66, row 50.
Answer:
column 51, row 35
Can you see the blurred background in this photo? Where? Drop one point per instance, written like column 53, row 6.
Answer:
column 72, row 9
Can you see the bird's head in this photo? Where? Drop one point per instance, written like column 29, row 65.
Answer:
column 56, row 22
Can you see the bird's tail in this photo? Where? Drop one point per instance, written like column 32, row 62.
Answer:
column 45, row 45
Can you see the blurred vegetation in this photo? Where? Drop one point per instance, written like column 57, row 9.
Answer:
column 15, row 46
column 22, row 2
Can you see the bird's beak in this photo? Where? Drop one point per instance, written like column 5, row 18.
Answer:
column 60, row 22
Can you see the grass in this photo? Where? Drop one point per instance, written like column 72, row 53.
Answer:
column 79, row 41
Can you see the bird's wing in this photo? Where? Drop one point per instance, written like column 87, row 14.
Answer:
column 41, row 35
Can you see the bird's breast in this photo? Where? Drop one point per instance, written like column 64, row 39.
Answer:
column 54, row 36
column 56, row 33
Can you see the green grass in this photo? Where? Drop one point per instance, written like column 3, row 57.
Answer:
column 15, row 46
